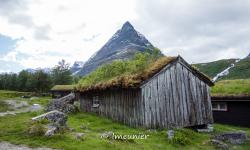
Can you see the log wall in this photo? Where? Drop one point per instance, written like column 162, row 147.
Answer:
column 123, row 105
column 175, row 97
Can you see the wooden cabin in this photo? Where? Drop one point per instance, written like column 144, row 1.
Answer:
column 59, row 91
column 171, row 93
column 234, row 110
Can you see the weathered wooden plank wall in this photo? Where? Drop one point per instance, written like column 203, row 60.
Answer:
column 176, row 98
column 122, row 105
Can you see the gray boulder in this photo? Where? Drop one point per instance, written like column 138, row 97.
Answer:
column 55, row 117
column 232, row 137
column 219, row 144
column 80, row 136
column 64, row 104
column 51, row 130
column 170, row 134
column 107, row 135
column 57, row 121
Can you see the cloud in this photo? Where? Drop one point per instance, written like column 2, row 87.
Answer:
column 42, row 32
column 60, row 29
column 47, row 31
column 200, row 31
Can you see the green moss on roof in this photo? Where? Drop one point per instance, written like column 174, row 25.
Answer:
column 237, row 87
column 124, row 74
column 63, row 88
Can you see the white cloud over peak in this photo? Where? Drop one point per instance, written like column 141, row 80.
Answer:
column 60, row 29
column 49, row 30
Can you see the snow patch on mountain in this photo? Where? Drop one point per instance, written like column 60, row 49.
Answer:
column 76, row 67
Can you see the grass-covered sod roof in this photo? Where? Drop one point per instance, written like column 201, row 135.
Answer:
column 63, row 88
column 238, row 87
column 124, row 74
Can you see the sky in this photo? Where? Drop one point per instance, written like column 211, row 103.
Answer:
column 39, row 33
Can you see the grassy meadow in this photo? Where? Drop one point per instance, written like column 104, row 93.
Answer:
column 232, row 87
column 14, row 129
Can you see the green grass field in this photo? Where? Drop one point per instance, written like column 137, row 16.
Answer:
column 12, row 94
column 232, row 87
column 14, row 129
column 3, row 106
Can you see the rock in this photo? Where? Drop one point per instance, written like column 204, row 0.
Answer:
column 84, row 127
column 16, row 104
column 51, row 130
column 219, row 144
column 7, row 113
column 80, row 136
column 55, row 116
column 170, row 134
column 123, row 45
column 57, row 119
column 9, row 146
column 35, row 107
column 25, row 96
column 72, row 129
column 32, row 98
column 107, row 135
column 232, row 137
column 64, row 104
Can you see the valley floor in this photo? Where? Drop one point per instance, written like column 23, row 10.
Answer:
column 13, row 129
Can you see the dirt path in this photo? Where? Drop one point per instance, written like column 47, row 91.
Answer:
column 9, row 146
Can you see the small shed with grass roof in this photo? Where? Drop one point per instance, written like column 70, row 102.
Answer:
column 231, row 102
column 59, row 91
column 169, row 93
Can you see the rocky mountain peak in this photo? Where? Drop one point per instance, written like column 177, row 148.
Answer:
column 127, row 26
column 122, row 45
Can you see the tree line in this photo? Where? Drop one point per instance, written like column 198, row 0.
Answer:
column 38, row 81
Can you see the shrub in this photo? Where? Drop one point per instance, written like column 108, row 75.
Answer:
column 182, row 137
column 37, row 129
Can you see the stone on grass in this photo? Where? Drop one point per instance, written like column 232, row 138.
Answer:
column 51, row 130
column 232, row 137
column 80, row 136
column 170, row 134
column 84, row 127
column 64, row 104
column 54, row 116
column 219, row 144
column 57, row 121
column 72, row 129
column 35, row 107
column 32, row 98
column 107, row 135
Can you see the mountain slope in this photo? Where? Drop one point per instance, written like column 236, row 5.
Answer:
column 239, row 70
column 213, row 68
column 76, row 67
column 122, row 45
